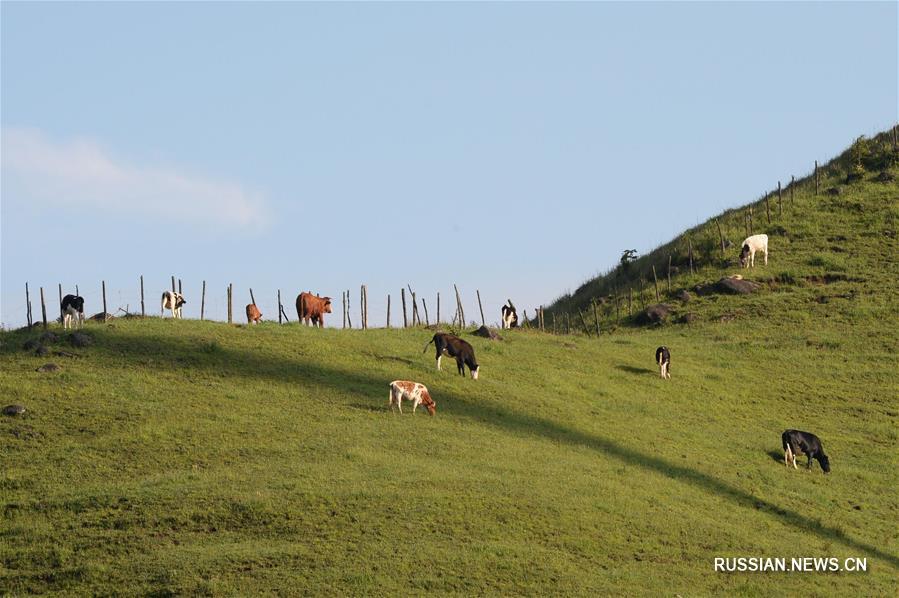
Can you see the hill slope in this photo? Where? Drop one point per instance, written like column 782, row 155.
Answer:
column 193, row 457
column 845, row 236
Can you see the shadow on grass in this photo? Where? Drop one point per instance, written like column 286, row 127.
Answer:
column 246, row 364
column 632, row 370
column 777, row 456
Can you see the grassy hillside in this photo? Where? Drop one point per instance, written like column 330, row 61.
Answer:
column 200, row 458
column 826, row 251
column 194, row 457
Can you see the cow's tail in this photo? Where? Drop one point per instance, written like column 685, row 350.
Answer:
column 428, row 343
column 162, row 305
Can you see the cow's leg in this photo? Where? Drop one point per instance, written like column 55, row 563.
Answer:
column 415, row 405
column 439, row 357
column 787, row 456
column 809, row 464
column 461, row 365
column 766, row 256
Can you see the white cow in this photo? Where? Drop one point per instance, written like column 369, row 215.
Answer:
column 750, row 246
column 172, row 301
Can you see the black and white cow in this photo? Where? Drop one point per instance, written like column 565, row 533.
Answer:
column 172, row 301
column 72, row 308
column 796, row 443
column 510, row 316
column 750, row 246
column 458, row 348
column 663, row 358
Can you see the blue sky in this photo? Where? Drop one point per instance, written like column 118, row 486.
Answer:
column 515, row 148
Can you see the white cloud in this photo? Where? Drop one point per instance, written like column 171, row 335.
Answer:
column 80, row 173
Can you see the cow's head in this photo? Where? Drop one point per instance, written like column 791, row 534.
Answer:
column 744, row 255
column 428, row 402
column 326, row 307
column 179, row 300
column 825, row 462
column 475, row 371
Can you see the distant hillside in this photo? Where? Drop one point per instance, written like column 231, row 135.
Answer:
column 846, row 233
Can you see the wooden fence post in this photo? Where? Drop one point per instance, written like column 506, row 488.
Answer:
column 481, row 307
column 746, row 222
column 416, row 319
column 143, row 312
column 617, row 309
column 690, row 244
column 720, row 240
column 343, row 306
column 669, row 273
column 425, row 306
column 750, row 228
column 583, row 322
column 365, row 289
column 230, row 302
column 792, row 186
column 179, row 286
column 630, row 298
column 77, row 292
column 438, row 309
column 388, row 310
column 642, row 300
column 656, row 282
column 203, row 302
column 28, row 306
column 596, row 317
column 362, row 307
column 349, row 312
column 279, row 307
column 173, row 284
column 60, row 302
column 43, row 309
column 780, row 206
column 252, row 298
column 767, row 208
column 816, row 177
column 104, row 300
column 403, row 297
column 459, row 307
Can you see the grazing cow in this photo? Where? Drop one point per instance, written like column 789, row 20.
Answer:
column 72, row 307
column 663, row 358
column 172, row 301
column 750, row 246
column 254, row 316
column 313, row 307
column 797, row 443
column 458, row 348
column 411, row 391
column 510, row 316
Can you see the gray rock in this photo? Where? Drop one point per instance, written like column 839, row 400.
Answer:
column 41, row 351
column 13, row 410
column 49, row 367
column 728, row 286
column 31, row 344
column 655, row 314
column 79, row 339
column 684, row 296
column 487, row 333
column 49, row 337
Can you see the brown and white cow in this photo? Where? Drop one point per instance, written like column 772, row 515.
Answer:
column 254, row 316
column 414, row 392
column 313, row 307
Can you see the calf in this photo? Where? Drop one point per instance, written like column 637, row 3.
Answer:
column 510, row 316
column 797, row 443
column 411, row 391
column 72, row 308
column 173, row 301
column 458, row 348
column 663, row 358
column 750, row 246
column 254, row 316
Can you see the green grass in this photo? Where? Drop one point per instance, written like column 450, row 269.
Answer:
column 192, row 457
column 200, row 458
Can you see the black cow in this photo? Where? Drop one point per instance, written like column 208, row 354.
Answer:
column 796, row 443
column 458, row 348
column 72, row 308
column 663, row 358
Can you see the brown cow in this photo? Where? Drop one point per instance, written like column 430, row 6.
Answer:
column 254, row 316
column 313, row 307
